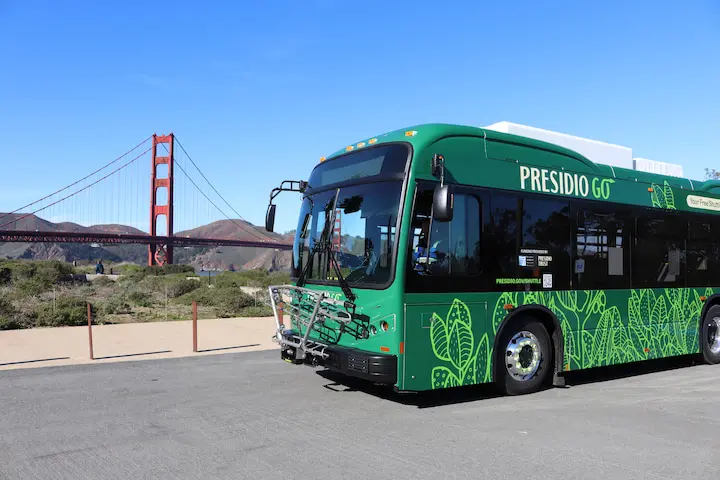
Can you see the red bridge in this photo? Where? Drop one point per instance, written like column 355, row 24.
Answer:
column 94, row 208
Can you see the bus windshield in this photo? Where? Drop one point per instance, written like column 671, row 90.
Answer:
column 363, row 235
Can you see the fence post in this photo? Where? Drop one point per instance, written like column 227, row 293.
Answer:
column 89, row 315
column 194, row 324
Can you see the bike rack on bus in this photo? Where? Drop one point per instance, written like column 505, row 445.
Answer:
column 308, row 310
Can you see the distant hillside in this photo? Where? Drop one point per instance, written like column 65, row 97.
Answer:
column 35, row 223
column 224, row 258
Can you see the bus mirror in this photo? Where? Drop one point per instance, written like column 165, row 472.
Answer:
column 438, row 166
column 270, row 218
column 443, row 203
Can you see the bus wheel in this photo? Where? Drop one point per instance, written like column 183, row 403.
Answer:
column 526, row 352
column 710, row 336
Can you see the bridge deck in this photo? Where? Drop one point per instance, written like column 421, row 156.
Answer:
column 114, row 239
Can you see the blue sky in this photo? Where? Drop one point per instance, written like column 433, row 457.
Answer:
column 258, row 91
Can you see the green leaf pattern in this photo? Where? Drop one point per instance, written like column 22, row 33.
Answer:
column 662, row 196
column 453, row 343
column 636, row 325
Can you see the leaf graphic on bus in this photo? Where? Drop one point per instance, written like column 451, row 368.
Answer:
column 603, row 335
column 657, row 197
column 622, row 347
column 499, row 313
column 481, row 360
column 659, row 313
column 461, row 336
column 587, row 348
column 568, row 300
column 636, row 325
column 647, row 303
column 440, row 337
column 572, row 352
column 669, row 197
column 443, row 377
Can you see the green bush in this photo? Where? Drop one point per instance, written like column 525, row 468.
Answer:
column 8, row 323
column 5, row 275
column 34, row 277
column 115, row 305
column 252, row 278
column 169, row 270
column 66, row 311
column 103, row 282
column 174, row 285
column 140, row 298
column 259, row 311
column 9, row 318
column 228, row 302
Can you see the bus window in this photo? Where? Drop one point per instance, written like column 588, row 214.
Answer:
column 659, row 251
column 702, row 254
column 446, row 249
column 531, row 243
column 601, row 248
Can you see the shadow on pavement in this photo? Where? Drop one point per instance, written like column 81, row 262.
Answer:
column 34, row 361
column 627, row 370
column 433, row 398
column 228, row 348
column 472, row 393
column 133, row 355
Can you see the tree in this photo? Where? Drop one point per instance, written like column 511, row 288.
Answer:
column 711, row 174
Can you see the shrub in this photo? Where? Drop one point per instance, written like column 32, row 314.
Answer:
column 115, row 305
column 252, row 278
column 34, row 277
column 140, row 298
column 103, row 282
column 173, row 285
column 259, row 311
column 66, row 311
column 9, row 319
column 169, row 270
column 5, row 275
column 228, row 302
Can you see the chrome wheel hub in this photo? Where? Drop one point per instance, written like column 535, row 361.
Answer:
column 523, row 355
column 714, row 335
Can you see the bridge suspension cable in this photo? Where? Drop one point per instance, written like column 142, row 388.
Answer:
column 3, row 215
column 253, row 230
column 130, row 162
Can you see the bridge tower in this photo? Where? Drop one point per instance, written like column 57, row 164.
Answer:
column 161, row 254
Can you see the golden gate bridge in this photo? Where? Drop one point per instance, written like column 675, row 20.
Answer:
column 102, row 207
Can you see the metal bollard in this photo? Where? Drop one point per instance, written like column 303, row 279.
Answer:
column 194, row 324
column 89, row 315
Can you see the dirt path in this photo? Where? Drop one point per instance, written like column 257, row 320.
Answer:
column 42, row 347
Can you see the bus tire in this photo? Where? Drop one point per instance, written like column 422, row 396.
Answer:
column 710, row 336
column 525, row 356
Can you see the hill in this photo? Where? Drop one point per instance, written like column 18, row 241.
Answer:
column 224, row 258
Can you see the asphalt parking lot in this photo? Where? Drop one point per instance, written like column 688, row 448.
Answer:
column 250, row 415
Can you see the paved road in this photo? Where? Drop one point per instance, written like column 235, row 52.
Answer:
column 249, row 415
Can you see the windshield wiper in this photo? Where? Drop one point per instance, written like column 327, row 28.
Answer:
column 324, row 247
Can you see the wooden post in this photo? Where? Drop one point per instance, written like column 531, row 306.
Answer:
column 89, row 314
column 194, row 324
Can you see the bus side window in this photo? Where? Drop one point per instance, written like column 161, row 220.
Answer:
column 455, row 245
column 445, row 249
column 702, row 253
column 659, row 251
column 601, row 247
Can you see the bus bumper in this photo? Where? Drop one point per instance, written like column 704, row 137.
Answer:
column 378, row 368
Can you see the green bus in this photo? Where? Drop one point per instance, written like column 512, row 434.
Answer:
column 442, row 255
